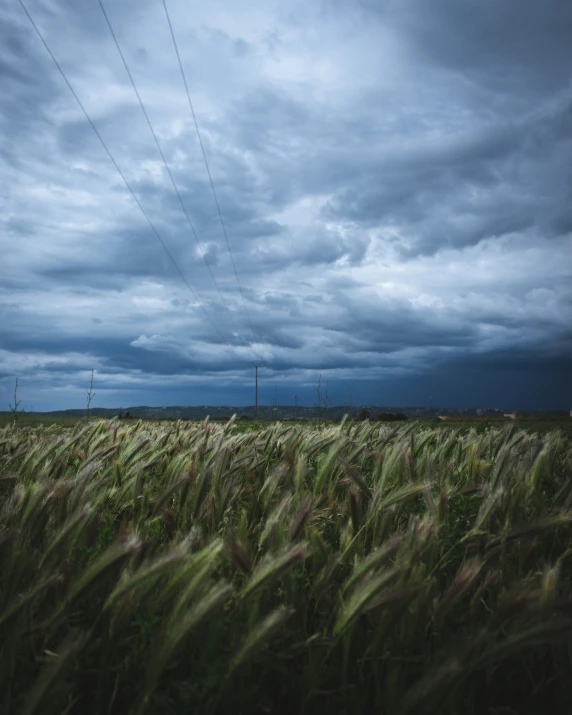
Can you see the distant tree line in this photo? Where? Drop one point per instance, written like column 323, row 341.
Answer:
column 391, row 416
column 381, row 416
column 362, row 416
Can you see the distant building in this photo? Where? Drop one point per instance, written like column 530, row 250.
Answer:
column 513, row 415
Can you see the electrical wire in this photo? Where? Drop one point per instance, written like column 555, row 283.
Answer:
column 109, row 154
column 153, row 133
column 207, row 167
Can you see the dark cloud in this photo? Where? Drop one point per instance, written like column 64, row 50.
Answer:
column 513, row 45
column 394, row 179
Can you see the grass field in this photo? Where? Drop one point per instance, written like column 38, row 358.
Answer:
column 349, row 568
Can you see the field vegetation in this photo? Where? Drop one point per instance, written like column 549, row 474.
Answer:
column 284, row 568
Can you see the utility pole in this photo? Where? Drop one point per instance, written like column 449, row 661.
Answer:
column 296, row 407
column 256, row 366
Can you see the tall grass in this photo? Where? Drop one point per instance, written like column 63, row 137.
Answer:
column 172, row 567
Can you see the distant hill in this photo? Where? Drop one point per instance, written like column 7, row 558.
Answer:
column 265, row 412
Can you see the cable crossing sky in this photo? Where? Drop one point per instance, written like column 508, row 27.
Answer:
column 169, row 172
column 127, row 184
column 207, row 167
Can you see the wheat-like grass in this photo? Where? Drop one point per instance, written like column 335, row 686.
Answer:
column 155, row 564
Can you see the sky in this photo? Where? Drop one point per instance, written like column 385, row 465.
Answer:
column 394, row 179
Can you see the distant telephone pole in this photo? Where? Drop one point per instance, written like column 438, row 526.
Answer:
column 296, row 407
column 256, row 366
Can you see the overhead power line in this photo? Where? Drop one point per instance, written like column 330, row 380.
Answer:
column 208, row 169
column 256, row 366
column 109, row 154
column 201, row 250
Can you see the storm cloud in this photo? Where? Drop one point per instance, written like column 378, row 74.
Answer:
column 395, row 180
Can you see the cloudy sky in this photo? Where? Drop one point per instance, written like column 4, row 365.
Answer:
column 395, row 179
